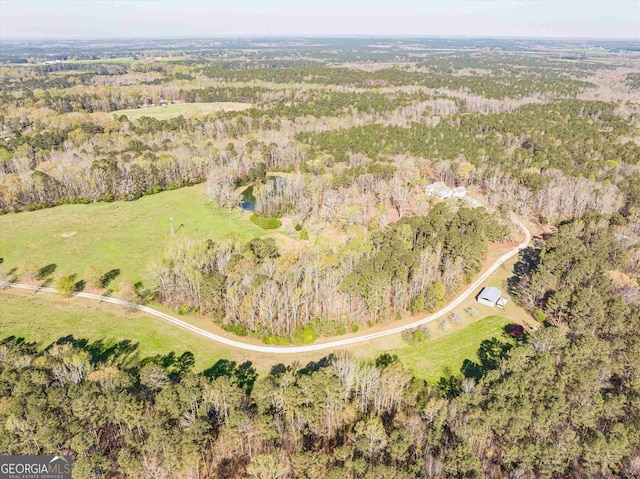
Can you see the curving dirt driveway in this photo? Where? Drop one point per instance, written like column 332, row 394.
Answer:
column 310, row 347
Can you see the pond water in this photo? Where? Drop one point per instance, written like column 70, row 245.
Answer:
column 248, row 202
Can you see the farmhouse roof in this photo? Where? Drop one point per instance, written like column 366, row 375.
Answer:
column 438, row 188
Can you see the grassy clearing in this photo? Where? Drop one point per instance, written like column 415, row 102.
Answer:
column 119, row 235
column 177, row 109
column 428, row 360
column 45, row 319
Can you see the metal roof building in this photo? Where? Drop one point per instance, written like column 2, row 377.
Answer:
column 491, row 296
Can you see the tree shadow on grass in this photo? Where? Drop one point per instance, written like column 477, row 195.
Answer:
column 44, row 274
column 19, row 342
column 110, row 276
column 80, row 285
column 490, row 355
column 243, row 375
column 121, row 354
column 46, row 271
column 313, row 366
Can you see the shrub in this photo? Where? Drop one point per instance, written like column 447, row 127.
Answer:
column 418, row 304
column 304, row 235
column 456, row 318
column 326, row 327
column 539, row 315
column 385, row 359
column 514, row 330
column 266, row 222
column 238, row 329
column 269, row 339
column 298, row 227
column 274, row 339
column 416, row 335
column 304, row 335
column 66, row 285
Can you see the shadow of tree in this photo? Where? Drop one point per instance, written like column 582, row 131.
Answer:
column 46, row 271
column 21, row 343
column 110, row 276
column 176, row 366
column 278, row 369
column 229, row 466
column 313, row 366
column 489, row 354
column 80, row 285
column 527, row 261
column 121, row 354
column 243, row 375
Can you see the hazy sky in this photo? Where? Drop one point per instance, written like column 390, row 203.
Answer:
column 172, row 18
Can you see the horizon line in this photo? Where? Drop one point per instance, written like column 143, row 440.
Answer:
column 319, row 35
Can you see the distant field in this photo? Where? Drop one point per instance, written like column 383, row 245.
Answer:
column 129, row 60
column 45, row 319
column 119, row 235
column 107, row 60
column 429, row 359
column 177, row 109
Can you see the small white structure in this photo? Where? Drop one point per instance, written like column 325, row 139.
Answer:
column 441, row 190
column 490, row 296
column 459, row 192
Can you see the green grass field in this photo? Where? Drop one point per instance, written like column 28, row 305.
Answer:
column 177, row 109
column 44, row 320
column 428, row 360
column 119, row 235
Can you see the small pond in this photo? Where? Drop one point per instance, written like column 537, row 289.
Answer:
column 248, row 201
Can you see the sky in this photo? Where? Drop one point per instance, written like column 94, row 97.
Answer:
column 70, row 19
